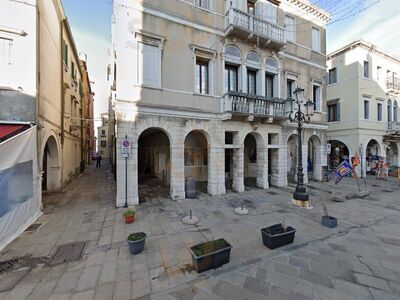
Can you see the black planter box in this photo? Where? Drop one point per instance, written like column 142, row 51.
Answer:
column 329, row 221
column 275, row 236
column 213, row 259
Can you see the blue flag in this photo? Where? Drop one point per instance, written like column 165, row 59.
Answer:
column 344, row 169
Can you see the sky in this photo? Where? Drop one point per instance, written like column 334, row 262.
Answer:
column 90, row 23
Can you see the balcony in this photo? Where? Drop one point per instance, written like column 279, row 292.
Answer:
column 394, row 127
column 393, row 85
column 249, row 27
column 253, row 106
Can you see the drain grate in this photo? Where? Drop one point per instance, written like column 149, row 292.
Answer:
column 34, row 227
column 272, row 193
column 68, row 253
column 8, row 265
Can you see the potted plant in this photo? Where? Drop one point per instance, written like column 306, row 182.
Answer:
column 277, row 235
column 210, row 255
column 326, row 219
column 136, row 242
column 129, row 216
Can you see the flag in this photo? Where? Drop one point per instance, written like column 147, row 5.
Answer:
column 342, row 170
column 355, row 161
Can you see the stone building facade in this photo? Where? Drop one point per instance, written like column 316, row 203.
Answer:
column 199, row 87
column 363, row 102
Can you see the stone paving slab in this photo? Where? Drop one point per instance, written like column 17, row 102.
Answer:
column 360, row 259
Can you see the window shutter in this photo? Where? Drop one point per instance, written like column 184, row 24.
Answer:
column 148, row 64
column 338, row 111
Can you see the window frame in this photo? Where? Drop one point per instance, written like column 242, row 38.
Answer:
column 319, row 88
column 366, row 65
column 199, row 3
column 366, row 111
column 273, row 77
column 318, row 49
column 335, row 105
column 379, row 112
column 227, row 69
column 329, row 75
column 202, row 62
column 293, row 29
column 252, row 71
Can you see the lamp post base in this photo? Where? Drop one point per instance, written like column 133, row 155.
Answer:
column 301, row 203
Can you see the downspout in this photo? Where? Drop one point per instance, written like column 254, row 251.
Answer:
column 37, row 107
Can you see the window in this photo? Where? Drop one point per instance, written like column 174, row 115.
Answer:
column 290, row 87
column 333, row 112
column 65, row 54
column 250, row 8
column 202, row 80
column 317, row 97
column 251, row 82
column 290, row 29
column 73, row 70
column 366, row 69
column 231, row 78
column 103, row 144
column 395, row 111
column 148, row 65
column 269, row 85
column 366, row 109
column 389, row 110
column 332, row 76
column 203, row 3
column 103, row 132
column 316, row 40
column 379, row 111
column 378, row 72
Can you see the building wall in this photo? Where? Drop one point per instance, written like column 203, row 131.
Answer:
column 18, row 66
column 352, row 89
column 102, row 137
column 181, row 31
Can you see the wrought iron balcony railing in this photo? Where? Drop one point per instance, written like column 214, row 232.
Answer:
column 394, row 126
column 393, row 83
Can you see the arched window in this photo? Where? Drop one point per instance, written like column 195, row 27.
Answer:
column 389, row 110
column 233, row 51
column 253, row 57
column 270, row 62
column 395, row 111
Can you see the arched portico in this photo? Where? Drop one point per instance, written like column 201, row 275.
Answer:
column 314, row 158
column 255, row 161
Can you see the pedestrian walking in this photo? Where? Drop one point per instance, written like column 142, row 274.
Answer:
column 98, row 159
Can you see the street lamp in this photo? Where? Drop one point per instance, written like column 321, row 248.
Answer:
column 300, row 195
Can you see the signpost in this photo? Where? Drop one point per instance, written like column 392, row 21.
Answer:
column 126, row 152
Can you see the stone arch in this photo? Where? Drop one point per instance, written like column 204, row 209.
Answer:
column 314, row 158
column 255, row 162
column 197, row 157
column 155, row 123
column 339, row 152
column 50, row 161
column 154, row 158
column 199, row 126
column 392, row 154
column 271, row 62
column 373, row 147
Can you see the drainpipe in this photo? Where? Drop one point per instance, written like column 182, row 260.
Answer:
column 37, row 98
column 62, row 103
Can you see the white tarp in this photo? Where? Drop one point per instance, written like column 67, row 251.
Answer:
column 20, row 192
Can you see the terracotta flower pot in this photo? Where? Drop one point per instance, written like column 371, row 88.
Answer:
column 129, row 219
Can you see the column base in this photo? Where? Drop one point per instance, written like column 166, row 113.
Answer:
column 301, row 203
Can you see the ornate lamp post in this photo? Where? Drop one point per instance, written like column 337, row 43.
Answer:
column 300, row 195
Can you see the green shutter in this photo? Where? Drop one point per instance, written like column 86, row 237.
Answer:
column 65, row 53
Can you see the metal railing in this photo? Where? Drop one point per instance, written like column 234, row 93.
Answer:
column 394, row 126
column 393, row 83
column 236, row 102
column 237, row 18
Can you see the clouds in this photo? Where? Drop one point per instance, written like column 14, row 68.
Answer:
column 378, row 25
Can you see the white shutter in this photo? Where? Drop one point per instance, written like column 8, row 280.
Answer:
column 316, row 42
column 148, row 65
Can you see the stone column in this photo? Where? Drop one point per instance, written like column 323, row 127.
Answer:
column 238, row 169
column 243, row 68
column 262, row 167
column 216, row 170
column 317, row 168
column 177, row 191
column 280, row 162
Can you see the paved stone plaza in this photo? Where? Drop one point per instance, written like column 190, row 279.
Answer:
column 360, row 259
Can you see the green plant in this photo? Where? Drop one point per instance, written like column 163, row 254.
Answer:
column 208, row 247
column 135, row 236
column 129, row 213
